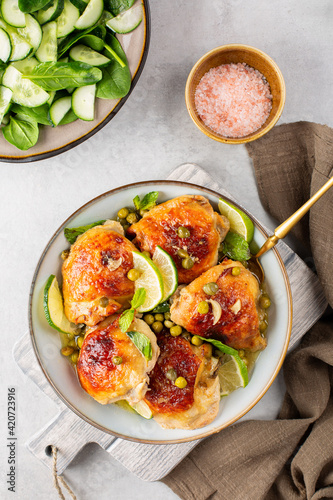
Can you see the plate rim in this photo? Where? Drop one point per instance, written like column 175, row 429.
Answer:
column 168, row 441
column 67, row 147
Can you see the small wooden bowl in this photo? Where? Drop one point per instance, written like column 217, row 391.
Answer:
column 235, row 53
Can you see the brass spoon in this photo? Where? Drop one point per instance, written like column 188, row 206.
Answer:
column 283, row 229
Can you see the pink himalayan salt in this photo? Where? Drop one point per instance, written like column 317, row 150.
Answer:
column 233, row 100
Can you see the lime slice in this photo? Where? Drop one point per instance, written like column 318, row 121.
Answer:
column 239, row 222
column 168, row 270
column 54, row 307
column 150, row 279
column 142, row 409
column 232, row 374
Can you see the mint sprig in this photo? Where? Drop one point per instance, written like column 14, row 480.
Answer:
column 127, row 316
column 147, row 202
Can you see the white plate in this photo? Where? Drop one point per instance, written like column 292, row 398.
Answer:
column 111, row 418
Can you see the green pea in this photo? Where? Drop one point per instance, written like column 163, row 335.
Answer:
column 149, row 319
column 235, row 271
column 182, row 253
column 183, row 232
column 187, row 263
column 159, row 317
column 133, row 274
column 203, row 307
column 157, row 326
column 210, row 288
column 180, row 382
column 74, row 357
column 70, row 336
column 64, row 254
column 132, row 218
column 67, row 351
column 71, row 343
column 79, row 342
column 176, row 330
column 117, row 360
column 103, row 301
column 171, row 374
column 196, row 340
column 167, row 315
column 169, row 324
column 264, row 302
column 146, row 254
column 262, row 326
column 123, row 213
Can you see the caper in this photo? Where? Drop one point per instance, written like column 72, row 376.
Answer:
column 149, row 319
column 176, row 330
column 132, row 218
column 187, row 263
column 117, row 360
column 180, row 382
column 210, row 288
column 262, row 326
column 186, row 336
column 133, row 274
column 146, row 254
column 203, row 307
column 67, row 351
column 159, row 317
column 235, row 271
column 123, row 213
column 74, row 357
column 167, row 315
column 157, row 326
column 182, row 253
column 196, row 340
column 264, row 301
column 71, row 343
column 79, row 342
column 183, row 232
column 103, row 301
column 169, row 324
column 64, row 254
column 171, row 374
column 70, row 336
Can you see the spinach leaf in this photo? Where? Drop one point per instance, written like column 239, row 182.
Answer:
column 40, row 114
column 127, row 316
column 147, row 202
column 116, row 81
column 118, row 6
column 142, row 342
column 61, row 75
column 236, row 247
column 94, row 35
column 69, row 117
column 28, row 6
column 20, row 132
column 71, row 233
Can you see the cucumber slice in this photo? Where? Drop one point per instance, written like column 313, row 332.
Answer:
column 67, row 19
column 32, row 32
column 26, row 65
column 48, row 49
column 83, row 102
column 5, row 46
column 91, row 14
column 59, row 109
column 52, row 13
column 5, row 100
column 128, row 20
column 20, row 47
column 25, row 92
column 12, row 14
column 82, row 53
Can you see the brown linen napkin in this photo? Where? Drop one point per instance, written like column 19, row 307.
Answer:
column 291, row 457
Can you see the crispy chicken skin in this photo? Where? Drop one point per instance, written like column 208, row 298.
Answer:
column 197, row 404
column 207, row 229
column 238, row 325
column 106, row 381
column 97, row 267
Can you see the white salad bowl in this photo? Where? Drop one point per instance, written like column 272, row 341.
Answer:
column 111, row 418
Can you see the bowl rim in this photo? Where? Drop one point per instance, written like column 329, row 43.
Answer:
column 49, row 153
column 88, row 419
column 262, row 131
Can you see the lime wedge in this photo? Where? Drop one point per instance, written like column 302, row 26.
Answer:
column 232, row 374
column 168, row 270
column 150, row 279
column 142, row 409
column 239, row 222
column 54, row 307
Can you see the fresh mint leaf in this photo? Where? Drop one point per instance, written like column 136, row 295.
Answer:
column 136, row 202
column 236, row 247
column 147, row 202
column 221, row 347
column 142, row 342
column 71, row 233
column 126, row 319
column 138, row 298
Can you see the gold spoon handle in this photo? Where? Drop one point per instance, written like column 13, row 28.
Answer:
column 283, row 229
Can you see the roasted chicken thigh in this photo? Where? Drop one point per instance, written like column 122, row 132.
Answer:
column 234, row 313
column 111, row 367
column 190, row 407
column 96, row 269
column 186, row 225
